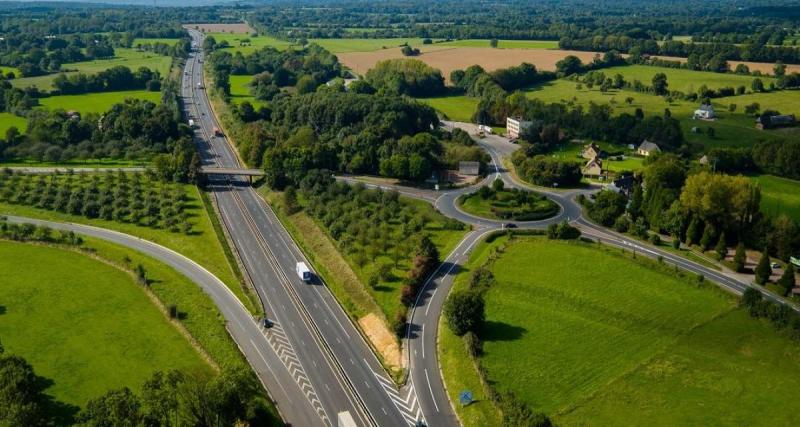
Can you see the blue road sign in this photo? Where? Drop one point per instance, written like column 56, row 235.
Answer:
column 465, row 398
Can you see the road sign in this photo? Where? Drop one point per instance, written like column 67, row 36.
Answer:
column 465, row 398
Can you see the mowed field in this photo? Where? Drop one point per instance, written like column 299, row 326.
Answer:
column 763, row 67
column 779, row 196
column 592, row 337
column 687, row 81
column 731, row 129
column 238, row 28
column 130, row 58
column 83, row 324
column 8, row 120
column 239, row 42
column 457, row 58
column 96, row 102
column 240, row 91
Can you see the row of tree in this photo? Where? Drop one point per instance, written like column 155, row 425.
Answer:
column 121, row 197
column 115, row 78
column 172, row 398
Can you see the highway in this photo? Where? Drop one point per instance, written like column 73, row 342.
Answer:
column 339, row 368
column 332, row 366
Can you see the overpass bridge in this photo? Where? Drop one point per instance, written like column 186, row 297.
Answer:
column 249, row 173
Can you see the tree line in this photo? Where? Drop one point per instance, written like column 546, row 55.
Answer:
column 118, row 196
column 398, row 249
column 112, row 79
column 698, row 208
column 171, row 398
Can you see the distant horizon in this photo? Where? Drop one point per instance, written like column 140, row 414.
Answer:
column 158, row 3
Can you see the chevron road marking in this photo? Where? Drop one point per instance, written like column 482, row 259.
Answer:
column 280, row 344
column 408, row 405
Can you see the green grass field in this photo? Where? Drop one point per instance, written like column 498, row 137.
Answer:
column 507, row 205
column 143, row 41
column 5, row 70
column 459, row 108
column 731, row 129
column 366, row 45
column 83, row 324
column 504, row 44
column 8, row 120
column 202, row 245
column 130, row 58
column 779, row 196
column 591, row 337
column 785, row 101
column 96, row 102
column 240, row 91
column 686, row 81
column 256, row 43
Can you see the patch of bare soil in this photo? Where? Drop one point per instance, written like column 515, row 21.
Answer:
column 382, row 339
column 459, row 58
column 240, row 28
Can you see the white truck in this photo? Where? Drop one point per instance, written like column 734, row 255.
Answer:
column 191, row 123
column 303, row 272
column 199, row 85
column 344, row 419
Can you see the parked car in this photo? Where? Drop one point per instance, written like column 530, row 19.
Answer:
column 775, row 265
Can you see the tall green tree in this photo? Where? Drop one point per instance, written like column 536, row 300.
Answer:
column 763, row 269
column 787, row 280
column 464, row 311
column 722, row 247
column 740, row 258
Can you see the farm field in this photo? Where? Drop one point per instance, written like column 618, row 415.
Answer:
column 448, row 59
column 731, row 129
column 240, row 91
column 256, row 43
column 201, row 246
column 96, row 102
column 763, row 67
column 586, row 334
column 459, row 108
column 785, row 101
column 142, row 41
column 687, row 81
column 130, row 58
column 504, row 44
column 55, row 299
column 369, row 45
column 238, row 28
column 8, row 120
column 779, row 196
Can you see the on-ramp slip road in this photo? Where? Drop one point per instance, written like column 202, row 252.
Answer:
column 330, row 363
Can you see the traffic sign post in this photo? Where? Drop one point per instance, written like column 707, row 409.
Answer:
column 465, row 398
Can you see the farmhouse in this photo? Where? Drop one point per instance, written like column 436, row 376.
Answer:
column 515, row 126
column 593, row 167
column 592, row 151
column 705, row 112
column 769, row 122
column 647, row 148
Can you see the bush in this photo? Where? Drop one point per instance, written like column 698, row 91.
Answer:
column 473, row 344
column 464, row 311
column 763, row 269
column 740, row 258
column 562, row 231
column 399, row 323
column 655, row 239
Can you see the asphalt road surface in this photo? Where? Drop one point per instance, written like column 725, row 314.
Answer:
column 331, row 363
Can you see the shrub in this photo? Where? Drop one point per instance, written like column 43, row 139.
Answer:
column 464, row 311
column 399, row 323
column 763, row 269
column 473, row 344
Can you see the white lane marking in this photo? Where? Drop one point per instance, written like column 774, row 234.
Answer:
column 433, row 398
column 422, row 336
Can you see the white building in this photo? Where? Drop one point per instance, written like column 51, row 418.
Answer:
column 705, row 112
column 515, row 125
